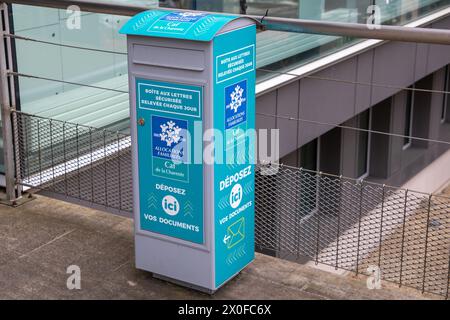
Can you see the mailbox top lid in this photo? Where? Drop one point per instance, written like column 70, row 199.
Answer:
column 197, row 26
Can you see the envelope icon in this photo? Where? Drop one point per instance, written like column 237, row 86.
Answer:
column 236, row 232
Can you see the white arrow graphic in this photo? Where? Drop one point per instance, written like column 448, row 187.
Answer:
column 226, row 238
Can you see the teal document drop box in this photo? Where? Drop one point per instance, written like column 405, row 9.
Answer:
column 192, row 96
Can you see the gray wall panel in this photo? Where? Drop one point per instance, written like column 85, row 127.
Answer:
column 393, row 65
column 287, row 106
column 266, row 104
column 438, row 56
column 349, row 149
column 364, row 75
column 421, row 60
column 397, row 127
column 327, row 101
column 437, row 101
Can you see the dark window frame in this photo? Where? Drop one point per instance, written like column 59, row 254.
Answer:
column 446, row 101
column 409, row 119
column 359, row 174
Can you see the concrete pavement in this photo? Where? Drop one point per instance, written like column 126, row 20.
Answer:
column 41, row 238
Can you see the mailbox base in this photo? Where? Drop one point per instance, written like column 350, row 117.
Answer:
column 184, row 284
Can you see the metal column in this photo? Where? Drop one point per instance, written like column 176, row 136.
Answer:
column 7, row 105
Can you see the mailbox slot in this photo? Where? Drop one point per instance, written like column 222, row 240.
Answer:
column 167, row 57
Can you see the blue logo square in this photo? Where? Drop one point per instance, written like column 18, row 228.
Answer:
column 235, row 104
column 169, row 138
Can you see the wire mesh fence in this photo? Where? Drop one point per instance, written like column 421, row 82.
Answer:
column 345, row 223
column 76, row 161
column 356, row 226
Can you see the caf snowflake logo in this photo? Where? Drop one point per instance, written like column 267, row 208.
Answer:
column 237, row 98
column 170, row 133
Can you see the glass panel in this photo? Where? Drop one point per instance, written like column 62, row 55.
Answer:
column 105, row 66
column 403, row 11
column 276, row 51
column 282, row 51
column 363, row 143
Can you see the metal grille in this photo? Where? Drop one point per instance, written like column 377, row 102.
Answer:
column 300, row 215
column 355, row 225
column 76, row 161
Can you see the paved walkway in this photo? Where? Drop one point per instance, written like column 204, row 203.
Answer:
column 41, row 238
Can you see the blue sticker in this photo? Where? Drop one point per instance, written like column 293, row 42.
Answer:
column 234, row 183
column 235, row 104
column 235, row 63
column 184, row 16
column 169, row 98
column 178, row 25
column 170, row 202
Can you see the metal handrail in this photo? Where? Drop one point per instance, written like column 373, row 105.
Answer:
column 394, row 33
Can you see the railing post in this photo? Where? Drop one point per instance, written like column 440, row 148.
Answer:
column 119, row 171
column 39, row 150
column 50, row 123
column 77, row 134
column 91, row 164
column 338, row 223
column 361, row 194
column 426, row 244
column 65, row 157
column 448, row 278
column 105, row 167
column 5, row 99
column 403, row 237
column 381, row 226
column 298, row 210
column 318, row 224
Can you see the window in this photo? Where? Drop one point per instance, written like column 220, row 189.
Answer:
column 330, row 151
column 409, row 111
column 446, row 101
column 363, row 142
column 308, row 155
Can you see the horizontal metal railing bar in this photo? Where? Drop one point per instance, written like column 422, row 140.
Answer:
column 15, row 36
column 109, row 7
column 281, row 165
column 412, row 89
column 18, row 74
column 259, row 113
column 335, row 125
column 382, row 32
column 367, row 84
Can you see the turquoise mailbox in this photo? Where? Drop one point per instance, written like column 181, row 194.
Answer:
column 192, row 100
